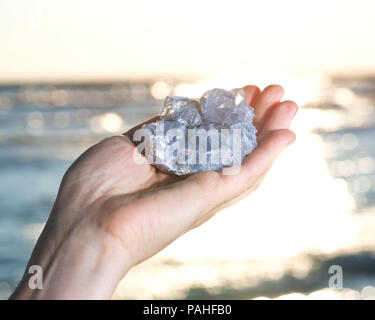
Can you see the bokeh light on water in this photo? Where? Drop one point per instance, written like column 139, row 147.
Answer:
column 315, row 209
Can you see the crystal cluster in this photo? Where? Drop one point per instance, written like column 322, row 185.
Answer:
column 217, row 111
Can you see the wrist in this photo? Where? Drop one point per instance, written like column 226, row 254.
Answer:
column 78, row 266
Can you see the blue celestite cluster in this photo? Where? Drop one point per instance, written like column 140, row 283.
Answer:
column 219, row 114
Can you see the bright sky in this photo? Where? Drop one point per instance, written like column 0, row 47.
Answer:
column 70, row 39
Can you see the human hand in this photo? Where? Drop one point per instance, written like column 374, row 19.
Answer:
column 112, row 213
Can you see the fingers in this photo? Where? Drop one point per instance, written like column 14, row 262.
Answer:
column 269, row 97
column 259, row 161
column 278, row 118
column 251, row 94
column 218, row 189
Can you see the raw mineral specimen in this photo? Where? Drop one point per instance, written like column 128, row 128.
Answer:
column 195, row 135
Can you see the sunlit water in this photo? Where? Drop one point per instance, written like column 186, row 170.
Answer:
column 315, row 209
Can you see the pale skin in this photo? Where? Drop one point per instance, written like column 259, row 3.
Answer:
column 111, row 213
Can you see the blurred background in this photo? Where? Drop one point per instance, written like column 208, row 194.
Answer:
column 73, row 72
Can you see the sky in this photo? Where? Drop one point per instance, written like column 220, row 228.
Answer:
column 91, row 39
